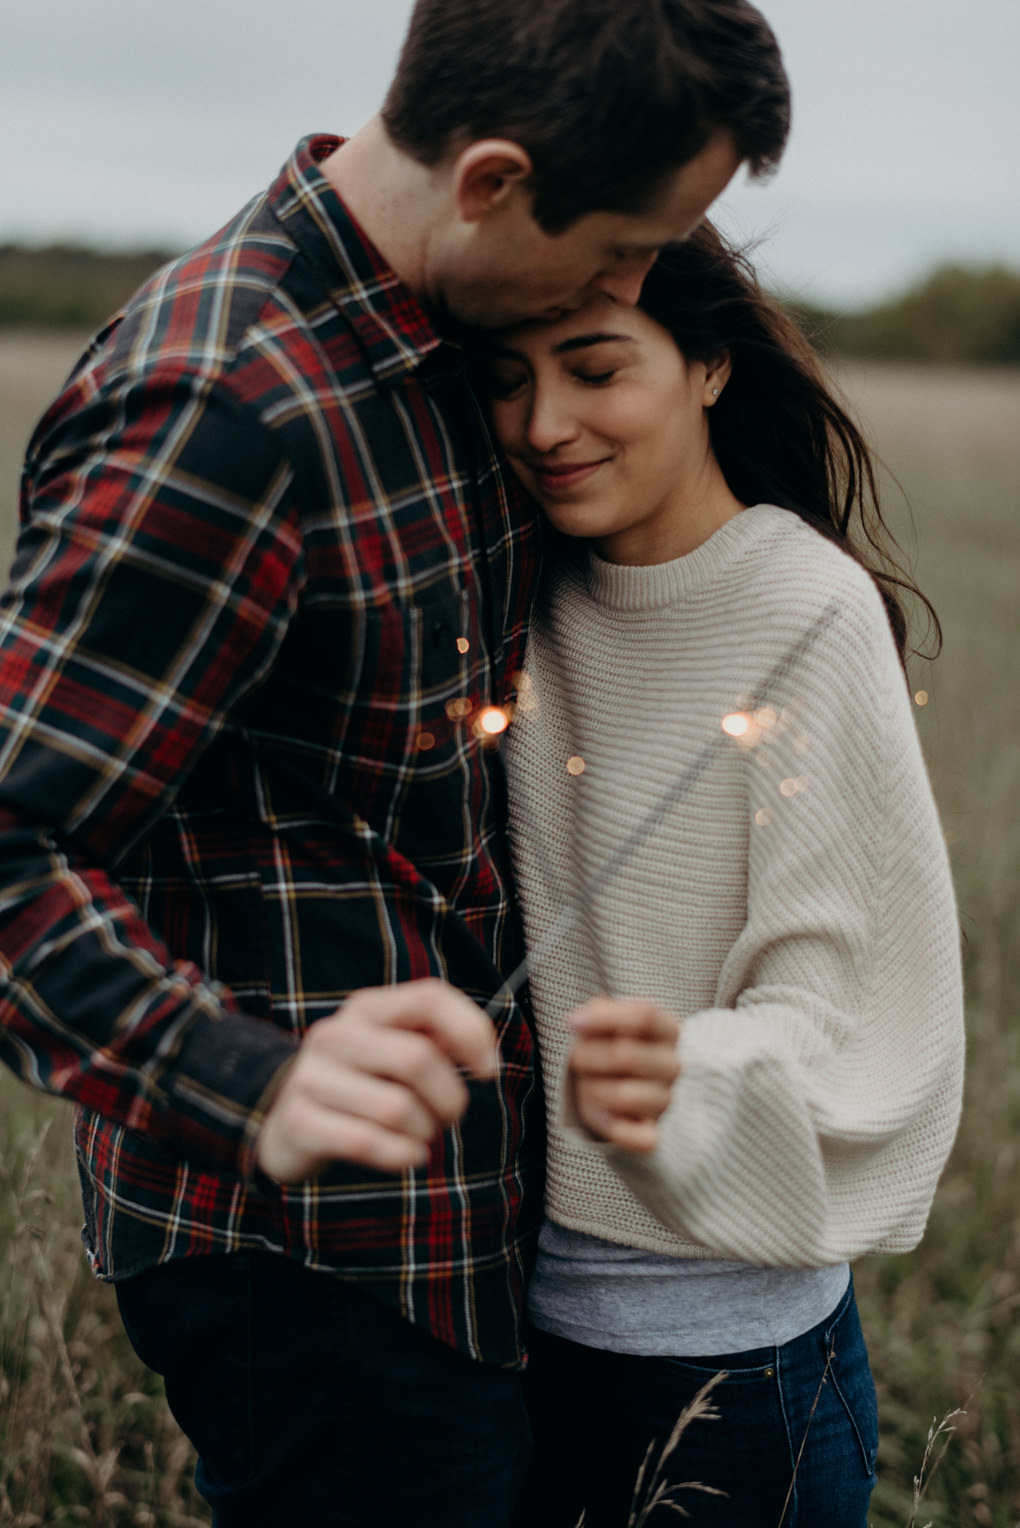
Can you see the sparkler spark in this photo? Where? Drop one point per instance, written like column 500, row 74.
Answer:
column 457, row 709
column 744, row 727
column 737, row 724
column 463, row 645
column 491, row 721
column 921, row 698
column 575, row 765
column 424, row 741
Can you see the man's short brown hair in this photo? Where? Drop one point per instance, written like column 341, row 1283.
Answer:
column 607, row 96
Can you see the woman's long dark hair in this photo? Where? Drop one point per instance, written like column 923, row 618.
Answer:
column 777, row 429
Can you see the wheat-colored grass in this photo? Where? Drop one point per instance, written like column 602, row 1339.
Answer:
column 84, row 1434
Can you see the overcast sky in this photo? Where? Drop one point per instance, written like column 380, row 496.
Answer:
column 139, row 122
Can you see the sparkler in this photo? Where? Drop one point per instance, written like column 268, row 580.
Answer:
column 745, row 726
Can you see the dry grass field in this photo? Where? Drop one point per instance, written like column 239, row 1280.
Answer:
column 84, row 1437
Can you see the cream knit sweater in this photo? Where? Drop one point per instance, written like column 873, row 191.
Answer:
column 793, row 906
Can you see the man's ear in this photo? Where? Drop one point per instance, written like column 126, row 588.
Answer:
column 717, row 373
column 486, row 174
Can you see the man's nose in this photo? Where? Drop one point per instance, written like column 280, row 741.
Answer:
column 623, row 284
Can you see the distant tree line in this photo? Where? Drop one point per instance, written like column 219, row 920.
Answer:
column 65, row 286
column 958, row 313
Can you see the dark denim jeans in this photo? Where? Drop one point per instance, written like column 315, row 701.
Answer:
column 594, row 1414
column 311, row 1404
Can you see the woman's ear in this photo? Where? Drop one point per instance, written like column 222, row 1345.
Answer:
column 486, row 175
column 717, row 374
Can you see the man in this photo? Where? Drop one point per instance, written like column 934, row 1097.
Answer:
column 270, row 574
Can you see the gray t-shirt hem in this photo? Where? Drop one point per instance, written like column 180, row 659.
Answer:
column 625, row 1300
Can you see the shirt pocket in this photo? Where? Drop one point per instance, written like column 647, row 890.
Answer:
column 414, row 735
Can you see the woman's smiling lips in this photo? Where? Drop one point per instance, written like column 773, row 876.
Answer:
column 556, row 479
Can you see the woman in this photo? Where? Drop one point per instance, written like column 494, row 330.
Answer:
column 751, row 1032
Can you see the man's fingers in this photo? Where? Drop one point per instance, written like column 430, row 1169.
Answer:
column 347, row 1050
column 377, row 1081
column 452, row 1021
column 297, row 1144
column 392, row 1105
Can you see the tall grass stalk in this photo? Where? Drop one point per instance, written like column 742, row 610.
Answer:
column 655, row 1491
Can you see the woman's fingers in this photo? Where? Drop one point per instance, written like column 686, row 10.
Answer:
column 632, row 1016
column 627, row 1098
column 631, row 1135
column 628, row 1038
column 622, row 1067
column 626, row 1058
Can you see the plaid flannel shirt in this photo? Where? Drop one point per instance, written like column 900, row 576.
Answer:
column 267, row 563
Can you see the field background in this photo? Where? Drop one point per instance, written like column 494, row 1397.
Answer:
column 84, row 1434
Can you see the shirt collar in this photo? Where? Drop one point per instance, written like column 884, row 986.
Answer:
column 393, row 327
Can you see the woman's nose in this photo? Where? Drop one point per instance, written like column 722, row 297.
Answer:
column 550, row 423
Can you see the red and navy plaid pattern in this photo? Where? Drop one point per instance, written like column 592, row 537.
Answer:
column 267, row 563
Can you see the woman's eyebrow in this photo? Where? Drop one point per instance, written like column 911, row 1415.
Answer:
column 583, row 341
column 577, row 342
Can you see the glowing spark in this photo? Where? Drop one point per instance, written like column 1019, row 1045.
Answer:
column 492, row 721
column 921, row 698
column 801, row 782
column 737, row 724
column 788, row 787
column 575, row 765
column 763, row 817
column 765, row 717
column 742, row 726
column 425, row 741
column 456, row 709
column 463, row 645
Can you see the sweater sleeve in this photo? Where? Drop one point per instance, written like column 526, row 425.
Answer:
column 819, row 1099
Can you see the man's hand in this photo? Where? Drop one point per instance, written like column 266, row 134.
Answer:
column 376, row 1081
column 622, row 1068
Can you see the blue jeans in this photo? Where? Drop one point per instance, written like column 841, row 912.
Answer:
column 312, row 1404
column 594, row 1414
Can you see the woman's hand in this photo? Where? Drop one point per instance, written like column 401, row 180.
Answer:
column 621, row 1069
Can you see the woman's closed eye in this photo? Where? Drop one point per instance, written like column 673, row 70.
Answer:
column 596, row 378
column 504, row 382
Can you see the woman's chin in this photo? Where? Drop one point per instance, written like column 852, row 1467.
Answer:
column 574, row 521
